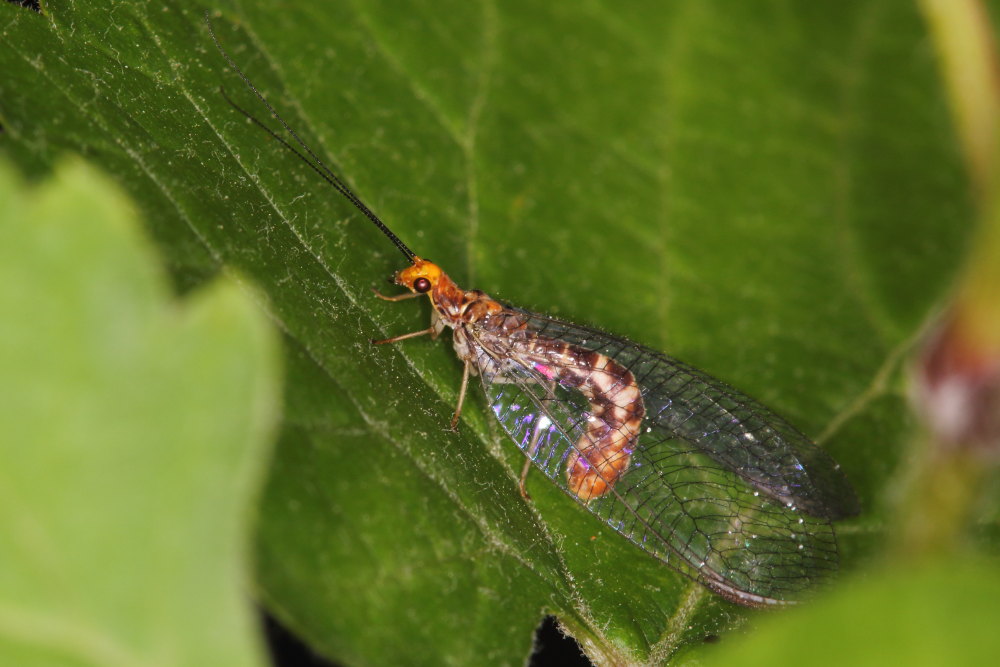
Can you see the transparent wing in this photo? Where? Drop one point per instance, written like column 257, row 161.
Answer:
column 718, row 487
column 735, row 430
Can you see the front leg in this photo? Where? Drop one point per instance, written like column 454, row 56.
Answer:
column 466, row 371
column 434, row 330
column 412, row 334
column 396, row 297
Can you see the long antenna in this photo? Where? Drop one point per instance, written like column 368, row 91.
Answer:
column 316, row 164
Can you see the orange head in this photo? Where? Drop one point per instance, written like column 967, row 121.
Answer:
column 422, row 277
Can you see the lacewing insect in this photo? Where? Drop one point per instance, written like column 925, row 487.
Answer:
column 694, row 472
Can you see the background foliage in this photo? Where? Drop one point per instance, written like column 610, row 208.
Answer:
column 135, row 436
column 770, row 191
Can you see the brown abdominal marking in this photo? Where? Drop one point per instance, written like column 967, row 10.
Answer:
column 603, row 452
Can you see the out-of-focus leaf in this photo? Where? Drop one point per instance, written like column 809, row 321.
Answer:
column 135, row 432
column 944, row 613
column 770, row 191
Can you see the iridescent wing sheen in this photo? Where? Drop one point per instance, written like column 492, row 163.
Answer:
column 719, row 487
column 734, row 429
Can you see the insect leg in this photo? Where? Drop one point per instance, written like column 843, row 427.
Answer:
column 461, row 393
column 412, row 334
column 527, row 465
column 396, row 297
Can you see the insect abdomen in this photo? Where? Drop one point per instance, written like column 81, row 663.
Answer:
column 603, row 452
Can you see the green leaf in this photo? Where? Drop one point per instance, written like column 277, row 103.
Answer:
column 941, row 613
column 767, row 190
column 135, row 434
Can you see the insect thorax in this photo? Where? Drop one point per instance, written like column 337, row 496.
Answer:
column 502, row 348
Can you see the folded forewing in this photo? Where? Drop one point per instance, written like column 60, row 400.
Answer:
column 684, row 497
column 735, row 430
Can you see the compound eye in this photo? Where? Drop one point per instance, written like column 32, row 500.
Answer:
column 421, row 285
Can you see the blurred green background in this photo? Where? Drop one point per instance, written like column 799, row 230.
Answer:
column 774, row 192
